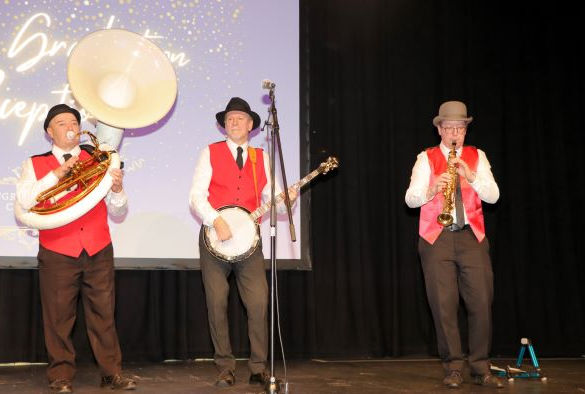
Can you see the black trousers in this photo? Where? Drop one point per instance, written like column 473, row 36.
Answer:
column 62, row 280
column 457, row 265
column 253, row 289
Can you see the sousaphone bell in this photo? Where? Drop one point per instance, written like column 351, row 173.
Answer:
column 125, row 82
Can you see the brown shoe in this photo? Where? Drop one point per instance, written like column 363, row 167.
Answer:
column 489, row 381
column 259, row 378
column 453, row 380
column 118, row 382
column 225, row 378
column 61, row 386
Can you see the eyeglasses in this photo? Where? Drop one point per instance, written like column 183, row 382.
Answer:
column 455, row 130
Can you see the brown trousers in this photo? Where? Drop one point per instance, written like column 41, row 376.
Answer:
column 253, row 288
column 457, row 265
column 62, row 279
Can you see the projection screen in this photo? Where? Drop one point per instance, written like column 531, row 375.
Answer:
column 219, row 49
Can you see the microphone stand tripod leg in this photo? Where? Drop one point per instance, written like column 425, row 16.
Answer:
column 272, row 386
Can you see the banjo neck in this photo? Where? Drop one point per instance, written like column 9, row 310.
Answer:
column 244, row 225
column 262, row 209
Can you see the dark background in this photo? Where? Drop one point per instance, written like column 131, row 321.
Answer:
column 374, row 73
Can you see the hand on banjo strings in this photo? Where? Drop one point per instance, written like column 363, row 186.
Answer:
column 222, row 230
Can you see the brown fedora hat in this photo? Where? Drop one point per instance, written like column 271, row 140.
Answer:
column 452, row 110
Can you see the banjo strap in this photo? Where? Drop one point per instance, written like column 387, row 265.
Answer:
column 252, row 156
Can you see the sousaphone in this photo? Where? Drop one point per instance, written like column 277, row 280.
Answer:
column 125, row 82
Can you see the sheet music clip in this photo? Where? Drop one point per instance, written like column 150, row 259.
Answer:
column 513, row 372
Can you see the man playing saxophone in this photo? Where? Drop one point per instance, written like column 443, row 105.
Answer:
column 449, row 183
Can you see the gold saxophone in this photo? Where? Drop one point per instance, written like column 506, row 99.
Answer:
column 445, row 218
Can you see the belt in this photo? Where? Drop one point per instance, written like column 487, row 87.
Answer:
column 456, row 228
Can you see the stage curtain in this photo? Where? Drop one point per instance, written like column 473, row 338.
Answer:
column 373, row 75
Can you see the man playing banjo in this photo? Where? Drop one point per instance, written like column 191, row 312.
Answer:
column 230, row 173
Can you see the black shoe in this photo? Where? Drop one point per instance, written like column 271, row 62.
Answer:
column 453, row 380
column 259, row 378
column 489, row 381
column 61, row 386
column 225, row 378
column 118, row 382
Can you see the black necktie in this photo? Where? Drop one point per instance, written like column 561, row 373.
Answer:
column 67, row 156
column 459, row 210
column 239, row 159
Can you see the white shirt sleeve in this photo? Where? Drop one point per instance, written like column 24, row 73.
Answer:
column 117, row 203
column 200, row 189
column 416, row 194
column 484, row 184
column 28, row 187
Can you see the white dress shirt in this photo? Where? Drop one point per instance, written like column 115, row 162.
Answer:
column 28, row 187
column 202, row 178
column 484, row 184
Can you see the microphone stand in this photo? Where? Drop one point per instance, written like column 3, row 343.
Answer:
column 273, row 386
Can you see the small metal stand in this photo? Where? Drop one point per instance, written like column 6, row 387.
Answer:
column 517, row 371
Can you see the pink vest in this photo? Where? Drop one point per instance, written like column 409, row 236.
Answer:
column 89, row 232
column 429, row 228
column 231, row 186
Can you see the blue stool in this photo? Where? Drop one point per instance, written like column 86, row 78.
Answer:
column 517, row 371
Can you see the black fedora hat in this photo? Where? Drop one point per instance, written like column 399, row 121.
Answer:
column 59, row 109
column 238, row 104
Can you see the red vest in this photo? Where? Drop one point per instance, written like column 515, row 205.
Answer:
column 231, row 186
column 429, row 228
column 89, row 232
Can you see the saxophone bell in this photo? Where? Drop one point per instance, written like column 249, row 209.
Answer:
column 445, row 219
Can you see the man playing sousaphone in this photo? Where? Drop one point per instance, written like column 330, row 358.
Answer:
column 231, row 172
column 75, row 258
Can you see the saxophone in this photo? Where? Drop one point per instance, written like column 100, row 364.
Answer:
column 445, row 218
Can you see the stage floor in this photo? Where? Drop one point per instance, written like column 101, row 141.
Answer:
column 305, row 377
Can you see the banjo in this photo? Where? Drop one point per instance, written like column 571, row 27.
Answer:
column 243, row 224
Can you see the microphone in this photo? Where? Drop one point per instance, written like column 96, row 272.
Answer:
column 268, row 84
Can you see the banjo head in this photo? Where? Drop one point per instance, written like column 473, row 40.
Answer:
column 244, row 240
